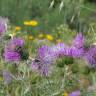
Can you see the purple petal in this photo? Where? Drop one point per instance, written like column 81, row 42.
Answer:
column 45, row 53
column 75, row 93
column 90, row 56
column 75, row 52
column 34, row 66
column 3, row 25
column 17, row 41
column 11, row 55
column 60, row 50
column 42, row 69
column 79, row 41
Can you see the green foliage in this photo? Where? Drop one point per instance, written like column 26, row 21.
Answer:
column 20, row 10
column 62, row 31
column 32, row 9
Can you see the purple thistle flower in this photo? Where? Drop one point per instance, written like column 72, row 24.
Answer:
column 7, row 77
column 75, row 52
column 60, row 50
column 43, row 51
column 77, row 49
column 17, row 42
column 41, row 68
column 3, row 25
column 75, row 93
column 43, row 61
column 12, row 52
column 90, row 56
column 79, row 41
column 47, row 55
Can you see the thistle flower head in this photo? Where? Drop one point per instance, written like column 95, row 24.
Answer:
column 90, row 56
column 42, row 68
column 77, row 49
column 17, row 42
column 79, row 41
column 43, row 61
column 12, row 50
column 45, row 52
column 75, row 52
column 60, row 50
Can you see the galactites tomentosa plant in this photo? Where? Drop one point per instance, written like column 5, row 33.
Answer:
column 76, row 50
column 12, row 50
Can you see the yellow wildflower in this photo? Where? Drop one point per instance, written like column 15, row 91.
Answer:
column 27, row 23
column 65, row 94
column 41, row 36
column 49, row 37
column 33, row 23
column 17, row 28
column 30, row 37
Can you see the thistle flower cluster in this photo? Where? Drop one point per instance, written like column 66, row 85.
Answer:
column 47, row 55
column 12, row 51
column 76, row 50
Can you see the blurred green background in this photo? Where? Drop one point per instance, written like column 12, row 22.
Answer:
column 75, row 13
